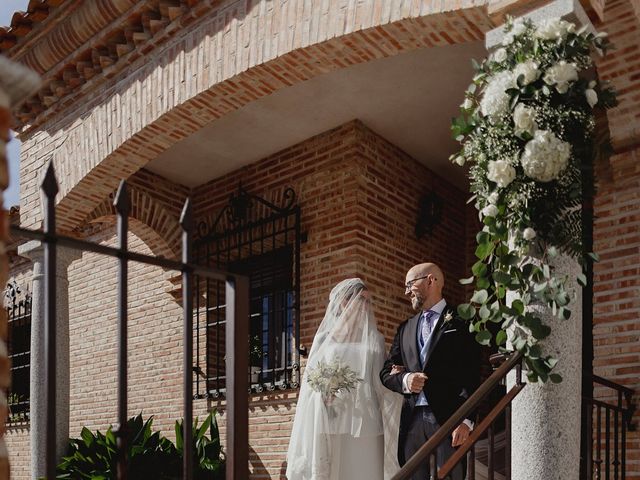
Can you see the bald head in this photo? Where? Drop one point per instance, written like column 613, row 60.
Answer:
column 425, row 281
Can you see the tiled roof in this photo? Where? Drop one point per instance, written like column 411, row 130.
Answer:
column 79, row 44
column 22, row 23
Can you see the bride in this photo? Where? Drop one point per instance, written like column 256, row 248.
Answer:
column 340, row 435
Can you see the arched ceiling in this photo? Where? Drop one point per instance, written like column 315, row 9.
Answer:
column 409, row 99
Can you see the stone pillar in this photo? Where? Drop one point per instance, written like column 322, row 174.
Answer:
column 546, row 417
column 38, row 418
column 16, row 83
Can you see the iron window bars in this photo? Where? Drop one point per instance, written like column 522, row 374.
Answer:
column 259, row 239
column 236, row 297
column 19, row 347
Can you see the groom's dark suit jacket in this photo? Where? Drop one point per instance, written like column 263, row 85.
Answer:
column 452, row 367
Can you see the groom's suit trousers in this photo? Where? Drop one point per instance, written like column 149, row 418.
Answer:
column 422, row 426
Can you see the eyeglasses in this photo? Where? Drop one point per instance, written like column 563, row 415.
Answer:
column 410, row 283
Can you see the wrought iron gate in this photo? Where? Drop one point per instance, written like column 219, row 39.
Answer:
column 261, row 240
column 235, row 296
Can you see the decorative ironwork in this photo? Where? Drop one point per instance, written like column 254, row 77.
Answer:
column 608, row 419
column 237, row 212
column 18, row 305
column 259, row 239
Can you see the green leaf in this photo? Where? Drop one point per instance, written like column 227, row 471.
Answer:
column 483, row 283
column 555, row 378
column 484, row 337
column 484, row 312
column 479, row 269
column 594, row 256
column 466, row 311
column 483, row 237
column 582, row 279
column 539, row 287
column 518, row 306
column 501, row 277
column 534, row 351
column 484, row 250
column 87, row 437
column 479, row 296
column 501, row 337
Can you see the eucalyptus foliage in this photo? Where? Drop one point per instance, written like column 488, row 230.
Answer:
column 527, row 131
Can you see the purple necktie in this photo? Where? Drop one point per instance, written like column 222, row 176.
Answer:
column 426, row 325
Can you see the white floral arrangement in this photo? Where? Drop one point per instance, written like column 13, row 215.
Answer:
column 527, row 130
column 332, row 378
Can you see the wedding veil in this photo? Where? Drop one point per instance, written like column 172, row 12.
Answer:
column 347, row 335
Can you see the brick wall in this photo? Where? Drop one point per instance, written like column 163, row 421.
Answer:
column 616, row 323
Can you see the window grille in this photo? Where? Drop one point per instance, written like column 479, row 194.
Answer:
column 18, row 307
column 261, row 240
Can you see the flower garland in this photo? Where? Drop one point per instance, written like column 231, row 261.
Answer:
column 527, row 131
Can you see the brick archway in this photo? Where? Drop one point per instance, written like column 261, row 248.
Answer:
column 195, row 92
column 156, row 226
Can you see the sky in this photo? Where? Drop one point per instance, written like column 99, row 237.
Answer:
column 12, row 194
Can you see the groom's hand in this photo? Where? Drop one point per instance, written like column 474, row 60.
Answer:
column 460, row 435
column 415, row 381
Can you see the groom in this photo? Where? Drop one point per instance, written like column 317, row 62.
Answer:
column 434, row 362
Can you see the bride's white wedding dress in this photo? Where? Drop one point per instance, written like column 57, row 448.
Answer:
column 344, row 437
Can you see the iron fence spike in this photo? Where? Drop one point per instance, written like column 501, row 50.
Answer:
column 121, row 202
column 49, row 184
column 186, row 217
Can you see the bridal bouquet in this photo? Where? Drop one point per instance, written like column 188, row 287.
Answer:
column 332, row 378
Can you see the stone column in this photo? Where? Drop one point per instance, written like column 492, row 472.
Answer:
column 546, row 417
column 38, row 417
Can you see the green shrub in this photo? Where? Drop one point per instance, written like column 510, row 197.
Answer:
column 150, row 455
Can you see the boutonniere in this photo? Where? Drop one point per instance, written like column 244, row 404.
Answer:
column 448, row 317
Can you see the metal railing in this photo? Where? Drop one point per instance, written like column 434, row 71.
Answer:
column 427, row 453
column 606, row 452
column 237, row 311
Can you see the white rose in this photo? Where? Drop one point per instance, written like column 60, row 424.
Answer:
column 592, row 97
column 545, row 156
column 560, row 75
column 499, row 55
column 524, row 119
column 501, row 172
column 530, row 71
column 493, row 198
column 529, row 234
column 554, row 29
column 495, row 100
column 490, row 211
